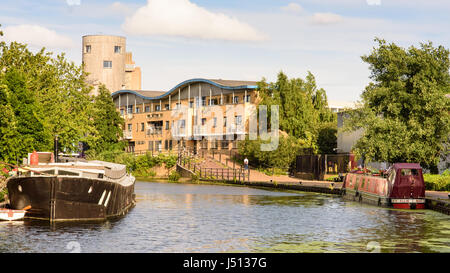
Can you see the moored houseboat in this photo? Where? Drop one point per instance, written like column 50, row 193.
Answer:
column 403, row 188
column 71, row 191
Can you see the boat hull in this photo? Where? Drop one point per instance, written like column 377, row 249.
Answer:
column 70, row 198
column 379, row 191
column 11, row 215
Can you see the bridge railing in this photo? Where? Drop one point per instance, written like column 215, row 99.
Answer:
column 190, row 160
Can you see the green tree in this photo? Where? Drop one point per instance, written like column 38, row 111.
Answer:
column 405, row 115
column 303, row 110
column 22, row 101
column 61, row 101
column 108, row 122
column 10, row 146
column 282, row 157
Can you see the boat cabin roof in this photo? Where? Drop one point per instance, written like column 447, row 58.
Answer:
column 407, row 166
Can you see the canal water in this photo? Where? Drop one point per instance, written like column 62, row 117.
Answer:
column 219, row 218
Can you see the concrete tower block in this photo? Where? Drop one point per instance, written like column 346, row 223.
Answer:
column 104, row 58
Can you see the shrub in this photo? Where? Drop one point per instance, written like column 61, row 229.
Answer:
column 2, row 194
column 437, row 182
column 174, row 176
column 195, row 178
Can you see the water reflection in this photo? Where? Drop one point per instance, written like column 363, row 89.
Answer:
column 211, row 218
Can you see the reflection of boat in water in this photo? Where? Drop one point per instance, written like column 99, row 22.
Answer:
column 13, row 214
column 404, row 188
column 93, row 190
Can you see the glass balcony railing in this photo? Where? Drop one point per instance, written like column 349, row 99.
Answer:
column 154, row 131
column 127, row 135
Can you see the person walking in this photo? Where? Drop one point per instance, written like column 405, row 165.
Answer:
column 246, row 164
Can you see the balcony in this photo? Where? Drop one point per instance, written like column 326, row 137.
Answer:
column 178, row 132
column 127, row 116
column 200, row 130
column 235, row 129
column 127, row 135
column 154, row 131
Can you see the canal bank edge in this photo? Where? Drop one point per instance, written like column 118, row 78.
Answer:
column 433, row 202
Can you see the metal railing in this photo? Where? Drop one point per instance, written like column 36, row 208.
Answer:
column 187, row 159
column 127, row 134
column 154, row 131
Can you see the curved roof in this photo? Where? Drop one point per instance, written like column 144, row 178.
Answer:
column 224, row 84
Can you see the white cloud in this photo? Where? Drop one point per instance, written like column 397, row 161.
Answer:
column 373, row 2
column 73, row 2
column 118, row 7
column 326, row 18
column 292, row 7
column 35, row 35
column 186, row 19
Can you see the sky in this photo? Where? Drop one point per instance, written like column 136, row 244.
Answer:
column 176, row 40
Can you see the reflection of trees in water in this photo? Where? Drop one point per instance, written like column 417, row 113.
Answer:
column 409, row 227
column 405, row 231
column 288, row 201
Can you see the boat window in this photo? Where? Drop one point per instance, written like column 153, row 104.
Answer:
column 62, row 172
column 391, row 177
column 406, row 172
column 49, row 171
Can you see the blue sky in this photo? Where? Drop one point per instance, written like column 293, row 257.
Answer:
column 174, row 40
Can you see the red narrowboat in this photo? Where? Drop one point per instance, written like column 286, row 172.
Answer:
column 403, row 188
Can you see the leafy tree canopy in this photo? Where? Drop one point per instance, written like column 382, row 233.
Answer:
column 42, row 96
column 303, row 109
column 405, row 114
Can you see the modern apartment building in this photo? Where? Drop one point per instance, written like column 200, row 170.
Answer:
column 195, row 114
column 107, row 62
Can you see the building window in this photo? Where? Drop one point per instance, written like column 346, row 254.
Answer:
column 203, row 101
column 224, row 121
column 247, row 98
column 167, row 124
column 158, row 145
column 117, row 49
column 129, row 109
column 235, row 144
column 166, row 107
column 107, row 64
column 224, row 144
column 191, row 104
column 204, row 144
column 147, row 108
column 121, row 112
column 166, row 145
column 203, row 121
column 130, row 127
column 157, row 107
column 170, row 144
column 214, row 144
column 238, row 120
column 236, row 99
column 178, row 105
column 138, row 110
column 182, row 123
column 214, row 122
column 213, row 102
column 150, row 145
column 142, row 127
column 87, row 49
